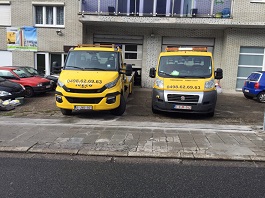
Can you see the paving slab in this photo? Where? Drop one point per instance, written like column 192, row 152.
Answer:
column 153, row 139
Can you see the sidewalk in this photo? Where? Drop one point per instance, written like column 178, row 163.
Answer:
column 132, row 139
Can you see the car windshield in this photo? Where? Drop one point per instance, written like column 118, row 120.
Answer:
column 31, row 70
column 185, row 66
column 22, row 73
column 92, row 60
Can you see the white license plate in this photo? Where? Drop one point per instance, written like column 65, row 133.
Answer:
column 48, row 86
column 83, row 107
column 182, row 107
column 246, row 90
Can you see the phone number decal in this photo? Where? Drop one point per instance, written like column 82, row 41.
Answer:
column 83, row 81
column 182, row 87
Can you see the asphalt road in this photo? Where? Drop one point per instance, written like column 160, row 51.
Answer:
column 29, row 176
column 232, row 109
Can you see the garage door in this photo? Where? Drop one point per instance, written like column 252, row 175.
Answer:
column 6, row 58
column 184, row 42
column 250, row 59
column 131, row 47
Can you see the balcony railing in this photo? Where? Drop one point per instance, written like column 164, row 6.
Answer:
column 153, row 8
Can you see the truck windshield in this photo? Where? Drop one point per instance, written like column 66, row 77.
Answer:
column 185, row 66
column 92, row 60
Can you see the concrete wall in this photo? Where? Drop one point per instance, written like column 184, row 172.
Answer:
column 245, row 11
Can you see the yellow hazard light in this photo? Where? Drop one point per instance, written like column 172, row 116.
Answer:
column 100, row 45
column 175, row 49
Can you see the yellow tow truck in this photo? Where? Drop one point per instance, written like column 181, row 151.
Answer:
column 95, row 78
column 185, row 81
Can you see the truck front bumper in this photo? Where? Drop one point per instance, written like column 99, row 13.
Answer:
column 184, row 102
column 110, row 101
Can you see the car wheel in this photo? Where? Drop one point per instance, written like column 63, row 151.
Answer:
column 248, row 97
column 121, row 108
column 66, row 111
column 261, row 97
column 29, row 92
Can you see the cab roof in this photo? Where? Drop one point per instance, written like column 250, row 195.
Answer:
column 186, row 53
column 95, row 47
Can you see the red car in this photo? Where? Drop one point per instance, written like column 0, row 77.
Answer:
column 33, row 84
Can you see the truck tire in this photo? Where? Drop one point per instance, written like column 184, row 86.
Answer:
column 211, row 114
column 66, row 111
column 154, row 110
column 120, row 109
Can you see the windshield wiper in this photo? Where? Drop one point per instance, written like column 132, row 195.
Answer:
column 161, row 72
column 192, row 76
column 94, row 68
column 75, row 67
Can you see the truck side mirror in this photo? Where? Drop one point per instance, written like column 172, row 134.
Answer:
column 152, row 72
column 218, row 74
column 129, row 70
column 56, row 69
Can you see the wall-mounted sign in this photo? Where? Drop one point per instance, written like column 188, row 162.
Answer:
column 21, row 38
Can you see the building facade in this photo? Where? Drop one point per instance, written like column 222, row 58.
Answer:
column 234, row 31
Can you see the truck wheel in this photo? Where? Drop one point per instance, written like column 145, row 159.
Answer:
column 248, row 97
column 261, row 97
column 66, row 111
column 154, row 110
column 211, row 114
column 29, row 92
column 120, row 109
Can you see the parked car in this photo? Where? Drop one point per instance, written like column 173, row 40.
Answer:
column 10, row 90
column 254, row 86
column 34, row 72
column 33, row 84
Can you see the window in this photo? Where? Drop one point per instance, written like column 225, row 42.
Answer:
column 5, row 10
column 250, row 59
column 49, row 15
column 7, row 74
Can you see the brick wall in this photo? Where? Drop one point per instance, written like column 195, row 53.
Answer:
column 48, row 40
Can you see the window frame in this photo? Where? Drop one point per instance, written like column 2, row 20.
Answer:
column 44, row 6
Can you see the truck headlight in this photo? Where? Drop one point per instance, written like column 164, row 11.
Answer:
column 159, row 83
column 60, row 83
column 209, row 84
column 4, row 93
column 112, row 84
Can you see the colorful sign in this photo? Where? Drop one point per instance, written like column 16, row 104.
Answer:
column 22, row 39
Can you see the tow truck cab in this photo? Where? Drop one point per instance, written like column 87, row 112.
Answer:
column 185, row 81
column 94, row 77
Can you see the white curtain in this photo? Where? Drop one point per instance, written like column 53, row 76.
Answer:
column 39, row 14
column 49, row 15
column 60, row 15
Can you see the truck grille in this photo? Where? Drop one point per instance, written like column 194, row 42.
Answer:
column 83, row 100
column 182, row 98
column 84, row 90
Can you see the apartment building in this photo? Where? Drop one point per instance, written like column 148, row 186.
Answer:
column 233, row 30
